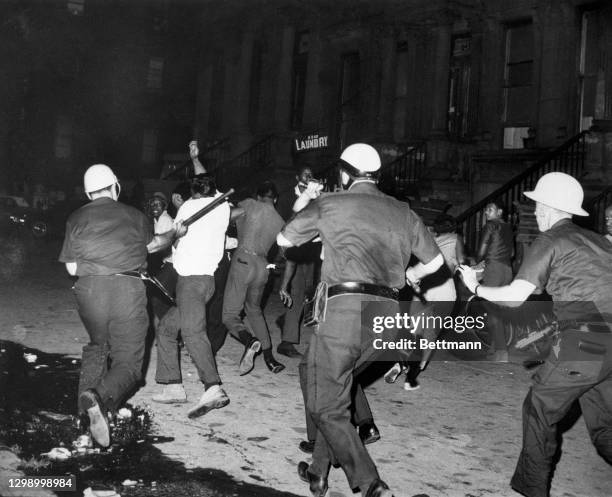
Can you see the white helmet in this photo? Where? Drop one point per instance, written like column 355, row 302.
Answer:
column 362, row 157
column 97, row 177
column 560, row 191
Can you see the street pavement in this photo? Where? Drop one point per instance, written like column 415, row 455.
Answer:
column 458, row 435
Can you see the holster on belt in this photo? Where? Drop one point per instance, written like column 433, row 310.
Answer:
column 314, row 308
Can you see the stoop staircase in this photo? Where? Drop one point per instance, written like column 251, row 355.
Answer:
column 568, row 158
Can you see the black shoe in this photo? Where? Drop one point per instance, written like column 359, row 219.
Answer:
column 274, row 365
column 247, row 362
column 307, row 446
column 98, row 422
column 369, row 433
column 318, row 484
column 378, row 488
column 287, row 349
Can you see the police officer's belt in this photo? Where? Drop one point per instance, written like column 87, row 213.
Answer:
column 364, row 288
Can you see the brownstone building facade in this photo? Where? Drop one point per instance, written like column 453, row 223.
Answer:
column 488, row 86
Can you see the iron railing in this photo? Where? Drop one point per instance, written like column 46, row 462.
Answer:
column 568, row 158
column 597, row 209
column 215, row 154
column 258, row 156
column 397, row 176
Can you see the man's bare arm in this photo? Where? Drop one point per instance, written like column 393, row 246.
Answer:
column 164, row 240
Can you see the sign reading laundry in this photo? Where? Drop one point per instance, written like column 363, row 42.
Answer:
column 310, row 142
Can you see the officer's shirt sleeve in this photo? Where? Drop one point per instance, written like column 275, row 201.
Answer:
column 67, row 253
column 537, row 263
column 303, row 227
column 423, row 244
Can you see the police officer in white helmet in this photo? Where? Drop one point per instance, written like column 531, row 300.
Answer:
column 574, row 266
column 104, row 240
column 368, row 239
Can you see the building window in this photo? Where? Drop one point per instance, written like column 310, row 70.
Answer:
column 519, row 78
column 400, row 114
column 217, row 93
column 300, row 67
column 462, row 114
column 350, row 99
column 63, row 138
column 149, row 146
column 155, row 73
column 255, row 88
column 595, row 70
column 76, row 7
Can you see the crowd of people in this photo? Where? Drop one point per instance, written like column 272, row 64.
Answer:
column 351, row 247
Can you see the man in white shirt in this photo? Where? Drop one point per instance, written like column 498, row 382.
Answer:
column 195, row 259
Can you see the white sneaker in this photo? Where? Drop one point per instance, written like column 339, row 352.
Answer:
column 392, row 375
column 411, row 385
column 173, row 393
column 213, row 398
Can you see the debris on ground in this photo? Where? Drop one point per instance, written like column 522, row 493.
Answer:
column 58, row 454
column 88, row 492
column 31, row 358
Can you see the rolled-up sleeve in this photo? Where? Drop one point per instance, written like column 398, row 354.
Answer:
column 67, row 253
column 424, row 246
column 303, row 227
column 537, row 263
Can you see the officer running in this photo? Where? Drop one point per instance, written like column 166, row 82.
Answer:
column 573, row 265
column 105, row 245
column 368, row 238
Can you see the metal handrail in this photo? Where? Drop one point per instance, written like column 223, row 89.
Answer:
column 394, row 176
column 258, row 155
column 596, row 207
column 568, row 157
column 403, row 171
column 217, row 145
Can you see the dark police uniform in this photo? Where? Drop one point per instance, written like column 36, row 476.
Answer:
column 575, row 267
column 368, row 237
column 106, row 238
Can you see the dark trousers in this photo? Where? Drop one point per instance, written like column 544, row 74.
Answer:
column 114, row 312
column 217, row 331
column 244, row 289
column 338, row 348
column 496, row 273
column 301, row 281
column 168, row 277
column 360, row 408
column 557, row 385
column 192, row 294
